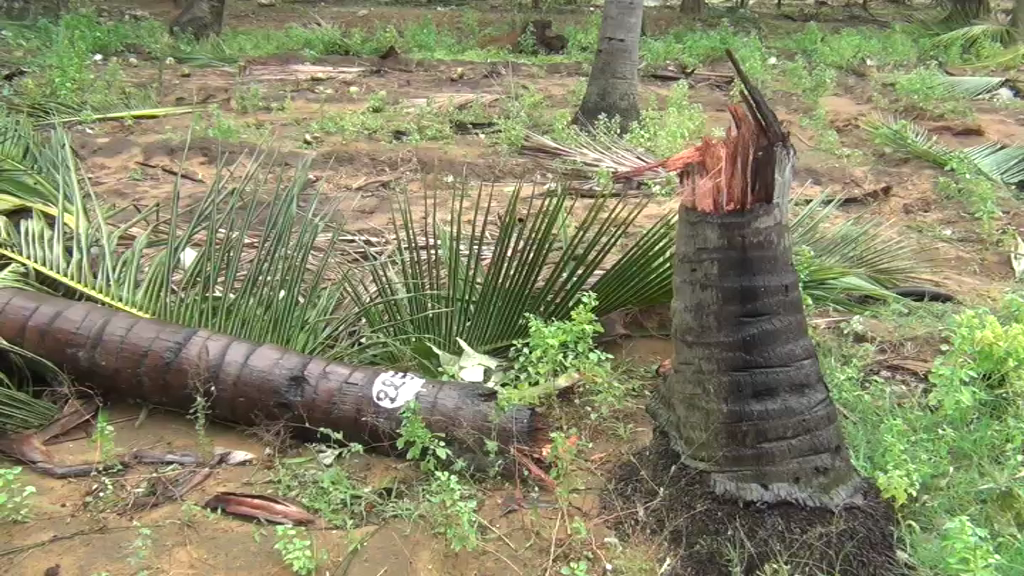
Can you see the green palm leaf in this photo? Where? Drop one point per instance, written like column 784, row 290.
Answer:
column 19, row 409
column 999, row 162
column 457, row 275
column 968, row 36
column 968, row 86
column 202, row 269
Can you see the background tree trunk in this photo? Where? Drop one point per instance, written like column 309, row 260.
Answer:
column 200, row 19
column 21, row 10
column 124, row 357
column 612, row 86
column 1017, row 20
column 692, row 7
column 963, row 11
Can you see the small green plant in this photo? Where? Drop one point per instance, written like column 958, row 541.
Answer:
column 199, row 414
column 325, row 487
column 969, row 549
column 296, row 549
column 140, row 548
column 103, row 439
column 980, row 195
column 378, row 102
column 14, row 497
column 249, row 99
column 451, row 509
column 557, row 348
column 918, row 91
column 422, row 444
column 666, row 132
column 576, row 568
column 449, row 503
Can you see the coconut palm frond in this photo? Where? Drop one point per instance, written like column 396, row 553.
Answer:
column 474, row 270
column 909, row 138
column 202, row 271
column 31, row 169
column 968, row 36
column 99, row 111
column 20, row 410
column 651, row 252
column 1008, row 58
column 968, row 86
column 860, row 248
column 588, row 154
column 999, row 162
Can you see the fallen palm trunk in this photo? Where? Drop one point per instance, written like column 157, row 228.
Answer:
column 125, row 357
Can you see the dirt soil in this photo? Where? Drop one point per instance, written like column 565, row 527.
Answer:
column 673, row 503
column 136, row 163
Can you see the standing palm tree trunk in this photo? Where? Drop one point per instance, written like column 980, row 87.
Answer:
column 612, row 86
column 692, row 7
column 19, row 10
column 199, row 18
column 964, row 11
column 745, row 408
column 1017, row 19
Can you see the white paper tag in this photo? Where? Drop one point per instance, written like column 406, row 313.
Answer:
column 395, row 389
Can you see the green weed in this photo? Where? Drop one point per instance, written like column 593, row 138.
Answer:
column 103, row 439
column 946, row 451
column 980, row 196
column 14, row 496
column 296, row 548
column 850, row 48
column 248, row 99
column 917, row 91
column 140, row 549
column 665, row 132
column 449, row 503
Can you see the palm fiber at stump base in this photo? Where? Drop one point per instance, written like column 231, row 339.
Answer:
column 709, row 531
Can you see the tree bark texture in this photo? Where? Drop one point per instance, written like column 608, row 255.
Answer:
column 612, row 86
column 22, row 10
column 747, row 401
column 692, row 7
column 125, row 357
column 964, row 11
column 200, row 19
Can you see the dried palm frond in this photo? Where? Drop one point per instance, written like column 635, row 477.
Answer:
column 449, row 102
column 587, row 155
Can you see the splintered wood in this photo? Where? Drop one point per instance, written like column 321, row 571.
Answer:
column 716, row 176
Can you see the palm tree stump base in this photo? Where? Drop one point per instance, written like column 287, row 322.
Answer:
column 715, row 535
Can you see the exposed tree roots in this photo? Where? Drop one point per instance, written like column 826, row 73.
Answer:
column 656, row 496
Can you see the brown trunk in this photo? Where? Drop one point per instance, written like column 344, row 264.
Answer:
column 200, row 19
column 964, row 11
column 692, row 7
column 746, row 401
column 613, row 83
column 125, row 357
column 1017, row 20
column 21, row 10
